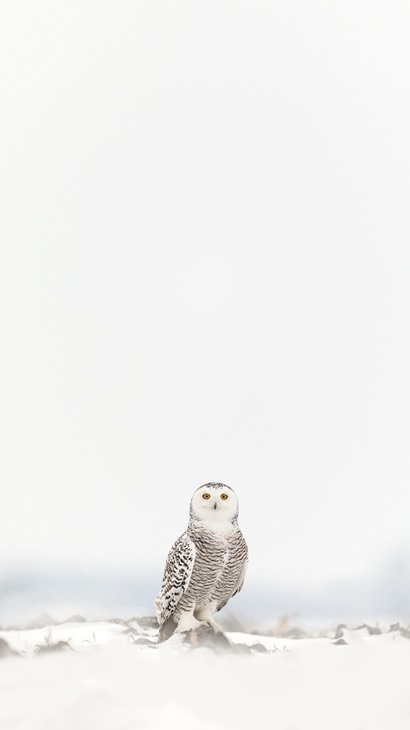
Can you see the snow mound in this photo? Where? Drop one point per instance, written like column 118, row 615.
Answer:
column 111, row 675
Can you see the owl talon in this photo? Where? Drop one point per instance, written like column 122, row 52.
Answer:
column 214, row 626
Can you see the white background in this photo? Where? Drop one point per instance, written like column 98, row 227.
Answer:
column 205, row 276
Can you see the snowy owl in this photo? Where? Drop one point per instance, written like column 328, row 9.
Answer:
column 205, row 566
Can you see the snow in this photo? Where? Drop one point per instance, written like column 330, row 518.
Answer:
column 101, row 678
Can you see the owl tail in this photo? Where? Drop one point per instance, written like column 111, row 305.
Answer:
column 166, row 631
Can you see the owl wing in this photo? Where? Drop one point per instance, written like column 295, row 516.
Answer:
column 178, row 571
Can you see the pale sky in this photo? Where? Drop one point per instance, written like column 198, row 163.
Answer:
column 205, row 277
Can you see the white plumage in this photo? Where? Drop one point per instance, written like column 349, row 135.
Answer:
column 206, row 565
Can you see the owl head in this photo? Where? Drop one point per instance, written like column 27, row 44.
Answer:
column 215, row 504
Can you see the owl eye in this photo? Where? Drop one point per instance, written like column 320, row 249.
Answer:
column 206, row 495
column 224, row 496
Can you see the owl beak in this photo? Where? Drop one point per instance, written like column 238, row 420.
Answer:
column 214, row 505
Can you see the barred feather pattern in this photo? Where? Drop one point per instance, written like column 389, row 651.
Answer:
column 204, row 566
column 218, row 566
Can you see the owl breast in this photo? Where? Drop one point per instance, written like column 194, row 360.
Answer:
column 218, row 564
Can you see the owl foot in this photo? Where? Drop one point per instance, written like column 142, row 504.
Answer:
column 206, row 616
column 188, row 622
